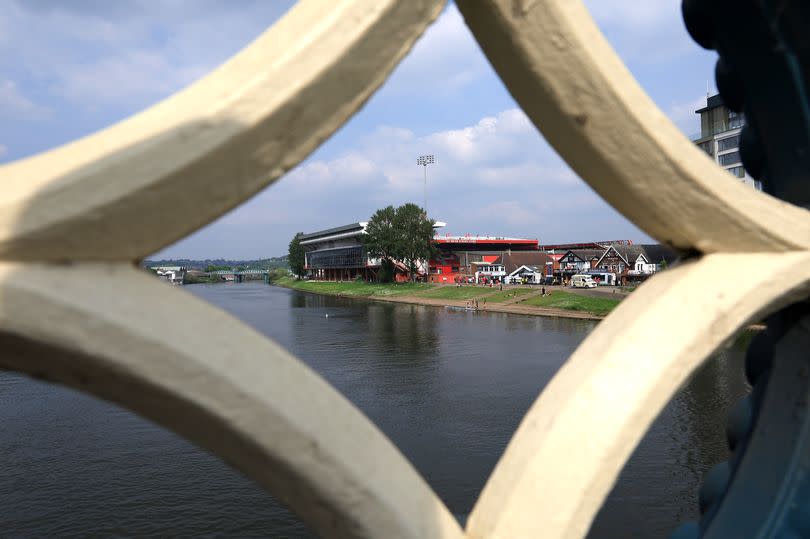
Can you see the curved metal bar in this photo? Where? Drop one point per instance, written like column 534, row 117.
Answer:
column 574, row 441
column 575, row 89
column 194, row 369
column 137, row 186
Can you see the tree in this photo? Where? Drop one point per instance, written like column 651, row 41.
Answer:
column 415, row 236
column 403, row 233
column 295, row 256
column 217, row 267
column 381, row 240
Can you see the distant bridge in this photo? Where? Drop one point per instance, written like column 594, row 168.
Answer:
column 240, row 274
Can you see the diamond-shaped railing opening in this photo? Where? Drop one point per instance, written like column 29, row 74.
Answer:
column 75, row 216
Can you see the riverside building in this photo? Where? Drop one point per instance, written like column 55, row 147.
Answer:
column 462, row 257
column 338, row 254
column 719, row 137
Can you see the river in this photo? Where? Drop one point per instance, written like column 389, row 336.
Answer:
column 448, row 387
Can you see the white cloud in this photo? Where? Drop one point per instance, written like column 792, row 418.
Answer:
column 511, row 212
column 346, row 171
column 515, row 175
column 488, row 140
column 444, row 60
column 497, row 176
column 494, row 173
column 648, row 32
column 632, row 14
column 14, row 104
column 136, row 78
column 683, row 114
column 111, row 53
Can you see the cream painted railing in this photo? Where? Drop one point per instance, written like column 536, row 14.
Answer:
column 80, row 215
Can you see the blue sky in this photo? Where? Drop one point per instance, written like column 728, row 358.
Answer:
column 70, row 68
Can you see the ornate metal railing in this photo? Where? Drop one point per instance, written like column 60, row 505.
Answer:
column 75, row 215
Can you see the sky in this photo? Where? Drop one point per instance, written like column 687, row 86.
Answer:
column 68, row 69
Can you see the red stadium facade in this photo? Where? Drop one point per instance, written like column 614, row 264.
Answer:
column 458, row 254
column 338, row 254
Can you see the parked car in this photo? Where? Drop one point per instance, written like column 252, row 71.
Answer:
column 583, row 281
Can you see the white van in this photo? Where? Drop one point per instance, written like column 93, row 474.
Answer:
column 583, row 281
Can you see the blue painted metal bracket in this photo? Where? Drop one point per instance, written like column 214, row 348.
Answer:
column 763, row 491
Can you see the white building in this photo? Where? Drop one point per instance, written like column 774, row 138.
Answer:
column 338, row 254
column 173, row 274
column 489, row 271
column 720, row 130
column 526, row 274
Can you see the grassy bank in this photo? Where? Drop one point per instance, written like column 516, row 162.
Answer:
column 508, row 295
column 559, row 299
column 191, row 278
column 355, row 288
column 456, row 292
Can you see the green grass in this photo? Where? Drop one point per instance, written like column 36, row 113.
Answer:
column 456, row 292
column 191, row 278
column 557, row 300
column 354, row 288
column 573, row 302
column 507, row 295
column 362, row 289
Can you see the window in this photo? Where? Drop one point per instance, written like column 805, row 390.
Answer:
column 707, row 147
column 719, row 119
column 735, row 120
column 729, row 158
column 454, row 269
column 347, row 257
column 737, row 171
column 728, row 143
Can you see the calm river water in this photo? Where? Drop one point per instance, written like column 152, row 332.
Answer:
column 448, row 387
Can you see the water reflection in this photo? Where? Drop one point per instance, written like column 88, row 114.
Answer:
column 658, row 487
column 448, row 387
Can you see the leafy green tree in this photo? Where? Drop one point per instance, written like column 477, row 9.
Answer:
column 381, row 240
column 296, row 256
column 217, row 267
column 404, row 233
column 415, row 236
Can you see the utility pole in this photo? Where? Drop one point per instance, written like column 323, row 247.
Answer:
column 425, row 160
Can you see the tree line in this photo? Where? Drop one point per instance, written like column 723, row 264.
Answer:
column 403, row 234
column 220, row 263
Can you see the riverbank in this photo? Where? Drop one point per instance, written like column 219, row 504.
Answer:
column 557, row 302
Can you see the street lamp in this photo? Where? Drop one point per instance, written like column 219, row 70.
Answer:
column 425, row 160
